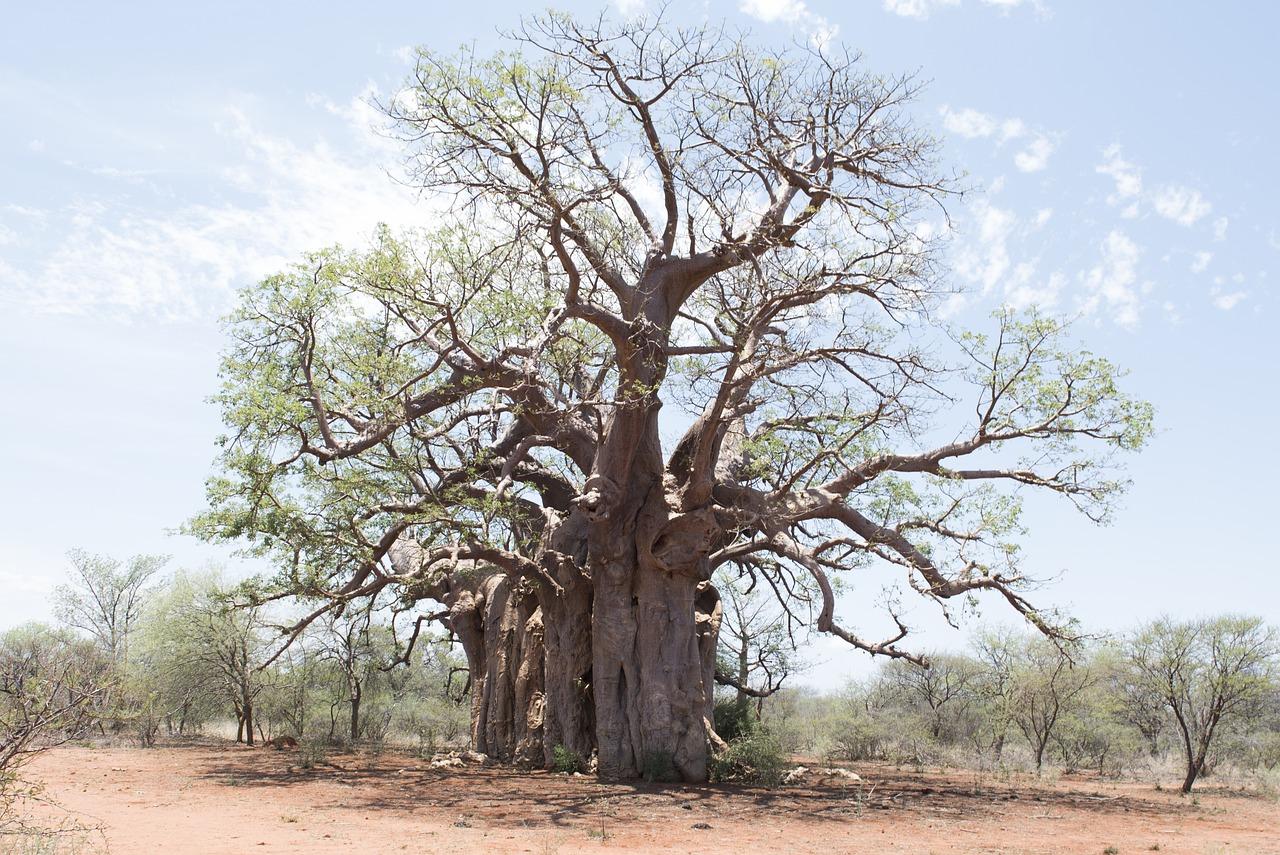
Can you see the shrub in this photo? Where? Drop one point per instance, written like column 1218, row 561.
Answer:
column 565, row 760
column 755, row 758
column 311, row 755
column 734, row 719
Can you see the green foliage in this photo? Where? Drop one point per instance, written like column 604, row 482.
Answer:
column 566, row 760
column 52, row 689
column 734, row 718
column 756, row 758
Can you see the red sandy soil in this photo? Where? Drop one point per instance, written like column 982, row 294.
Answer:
column 215, row 797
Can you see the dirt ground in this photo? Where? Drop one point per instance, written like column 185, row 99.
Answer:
column 221, row 798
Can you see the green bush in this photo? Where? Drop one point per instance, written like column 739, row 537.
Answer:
column 565, row 760
column 756, row 758
column 734, row 719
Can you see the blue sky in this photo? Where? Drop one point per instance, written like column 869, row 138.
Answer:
column 155, row 156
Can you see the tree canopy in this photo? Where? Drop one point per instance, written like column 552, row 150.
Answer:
column 636, row 219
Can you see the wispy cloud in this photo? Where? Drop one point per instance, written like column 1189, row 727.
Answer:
column 1112, row 285
column 114, row 257
column 1127, row 178
column 1183, row 205
column 974, row 124
column 984, row 257
column 1227, row 300
column 923, row 9
column 794, row 12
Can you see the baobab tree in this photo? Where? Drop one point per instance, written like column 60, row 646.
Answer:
column 677, row 314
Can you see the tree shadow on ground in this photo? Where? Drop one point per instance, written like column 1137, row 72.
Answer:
column 500, row 796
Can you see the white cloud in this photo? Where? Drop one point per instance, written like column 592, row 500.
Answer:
column 795, row 12
column 983, row 258
column 1113, row 283
column 974, row 124
column 768, row 11
column 922, row 9
column 630, row 8
column 1127, row 177
column 113, row 258
column 1023, row 292
column 1226, row 301
column 1042, row 216
column 968, row 123
column 1181, row 204
column 1035, row 156
column 919, row 9
column 1201, row 262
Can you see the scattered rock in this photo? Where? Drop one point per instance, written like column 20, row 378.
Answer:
column 795, row 775
column 686, row 806
column 701, row 826
column 446, row 763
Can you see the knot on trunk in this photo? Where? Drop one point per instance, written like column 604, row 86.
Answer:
column 599, row 497
column 683, row 544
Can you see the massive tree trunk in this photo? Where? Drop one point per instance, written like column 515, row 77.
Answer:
column 620, row 659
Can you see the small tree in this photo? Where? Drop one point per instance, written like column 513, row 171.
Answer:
column 944, row 691
column 1202, row 672
column 757, row 642
column 357, row 648
column 50, row 686
column 994, row 689
column 223, row 643
column 105, row 598
column 1048, row 686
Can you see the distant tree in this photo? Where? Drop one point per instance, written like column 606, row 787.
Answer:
column 1047, row 687
column 105, row 598
column 51, row 684
column 222, row 644
column 944, row 691
column 757, row 641
column 357, row 648
column 996, row 651
column 1204, row 672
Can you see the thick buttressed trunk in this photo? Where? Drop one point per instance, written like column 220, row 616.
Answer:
column 499, row 624
column 654, row 659
column 620, row 660
column 613, row 649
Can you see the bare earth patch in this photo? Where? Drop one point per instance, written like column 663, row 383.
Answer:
column 221, row 798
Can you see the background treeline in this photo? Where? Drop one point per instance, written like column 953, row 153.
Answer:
column 137, row 654
column 1167, row 699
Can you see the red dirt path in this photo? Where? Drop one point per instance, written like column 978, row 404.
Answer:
column 221, row 798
